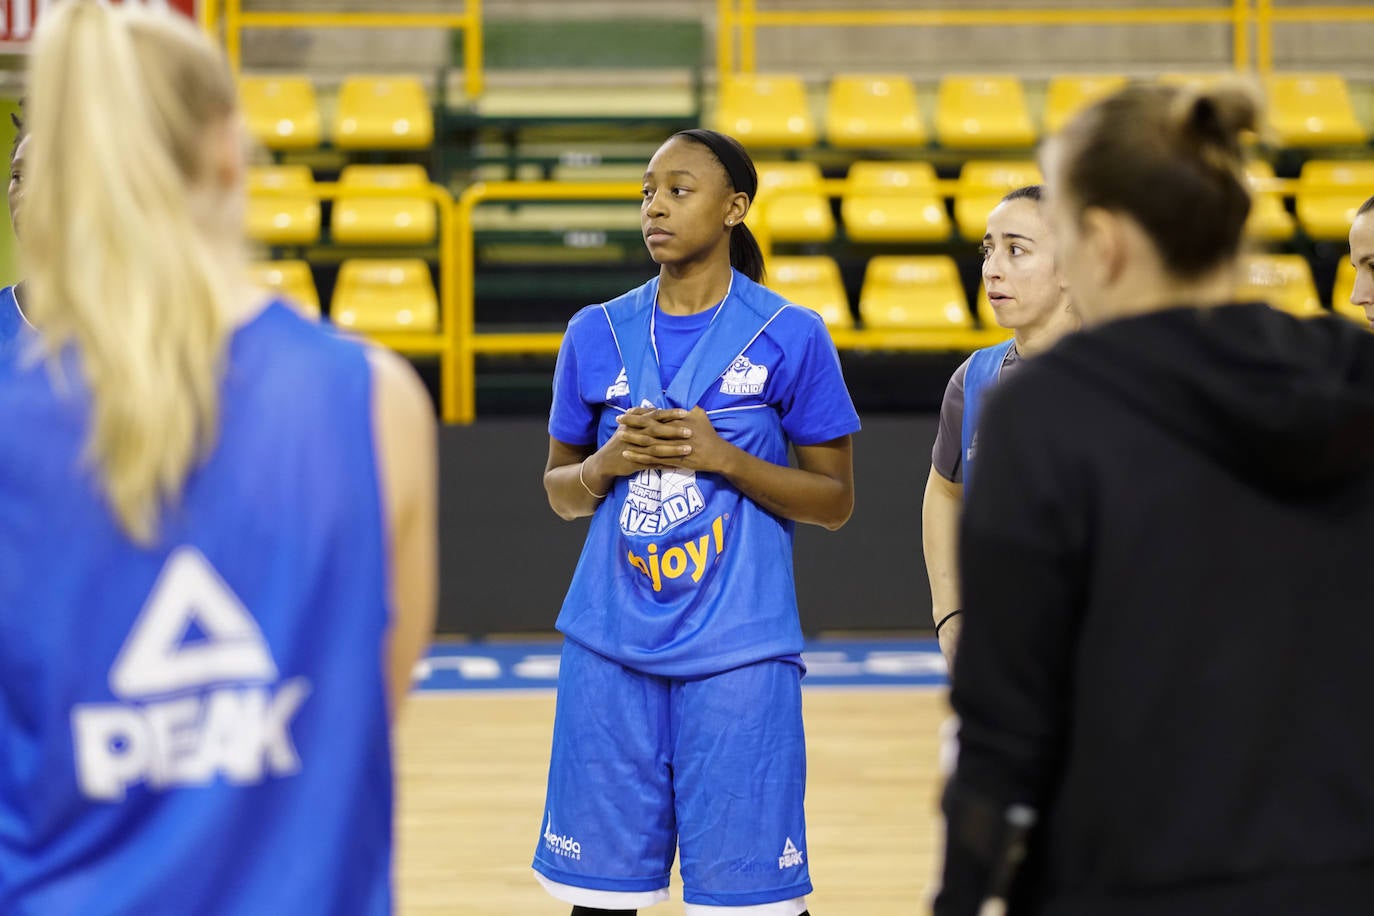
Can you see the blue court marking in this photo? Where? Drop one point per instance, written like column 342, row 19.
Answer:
column 534, row 665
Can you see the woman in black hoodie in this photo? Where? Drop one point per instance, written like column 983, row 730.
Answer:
column 1169, row 599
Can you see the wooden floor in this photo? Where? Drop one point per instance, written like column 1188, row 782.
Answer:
column 471, row 771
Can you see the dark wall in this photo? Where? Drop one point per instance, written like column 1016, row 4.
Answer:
column 507, row 559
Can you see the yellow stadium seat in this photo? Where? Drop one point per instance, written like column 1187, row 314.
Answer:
column 1282, row 280
column 913, row 293
column 292, row 279
column 1329, row 193
column 813, row 282
column 766, row 111
column 383, row 113
column 373, row 296
column 982, row 112
column 1067, row 95
column 1340, row 293
column 1269, row 221
column 893, row 202
column 873, row 111
column 384, row 220
column 281, row 111
column 982, row 185
column 1308, row 110
column 800, row 215
column 283, row 219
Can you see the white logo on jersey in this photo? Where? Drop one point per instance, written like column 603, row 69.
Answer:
column 171, row 729
column 791, row 856
column 743, row 377
column 620, row 388
column 659, row 500
column 559, row 845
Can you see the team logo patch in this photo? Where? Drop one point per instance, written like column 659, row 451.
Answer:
column 560, row 845
column 620, row 388
column 199, row 695
column 659, row 500
column 791, row 856
column 744, row 377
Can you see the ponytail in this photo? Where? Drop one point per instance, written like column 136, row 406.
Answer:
column 745, row 254
column 123, row 261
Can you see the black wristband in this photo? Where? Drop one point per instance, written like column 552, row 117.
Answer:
column 945, row 619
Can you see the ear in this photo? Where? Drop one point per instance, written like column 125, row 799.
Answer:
column 737, row 208
column 1104, row 236
column 228, row 153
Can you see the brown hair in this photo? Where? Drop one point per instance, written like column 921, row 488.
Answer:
column 1171, row 158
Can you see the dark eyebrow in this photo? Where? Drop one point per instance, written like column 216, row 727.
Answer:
column 1009, row 235
column 1367, row 259
column 673, row 172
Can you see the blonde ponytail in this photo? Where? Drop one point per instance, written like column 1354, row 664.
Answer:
column 121, row 256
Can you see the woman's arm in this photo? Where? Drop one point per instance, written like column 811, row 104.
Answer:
column 819, row 491
column 403, row 420
column 940, row 539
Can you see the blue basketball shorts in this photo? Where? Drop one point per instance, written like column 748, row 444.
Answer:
column 642, row 765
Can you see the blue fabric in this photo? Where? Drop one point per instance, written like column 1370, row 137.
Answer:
column 714, row 766
column 675, row 336
column 681, row 574
column 248, row 638
column 984, row 367
column 12, row 323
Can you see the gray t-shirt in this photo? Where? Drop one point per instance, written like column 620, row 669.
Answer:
column 947, row 456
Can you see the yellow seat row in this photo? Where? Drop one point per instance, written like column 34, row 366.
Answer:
column 924, row 293
column 374, row 113
column 990, row 112
column 369, row 296
column 294, row 218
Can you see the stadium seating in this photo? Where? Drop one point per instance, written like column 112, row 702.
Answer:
column 801, row 215
column 383, row 113
column 913, row 293
column 1269, row 221
column 766, row 111
column 893, row 202
column 982, row 184
column 281, row 111
column 291, row 279
column 813, row 282
column 1329, row 193
column 863, row 112
column 1312, row 110
column 384, row 220
column 279, row 219
column 379, row 296
column 982, row 112
column 1282, row 280
column 1067, row 95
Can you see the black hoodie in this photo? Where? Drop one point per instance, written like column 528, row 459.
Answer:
column 1168, row 641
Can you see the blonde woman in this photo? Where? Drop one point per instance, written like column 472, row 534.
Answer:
column 217, row 543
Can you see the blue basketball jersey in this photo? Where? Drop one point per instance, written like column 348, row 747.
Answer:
column 984, row 369
column 199, row 726
column 12, row 322
column 681, row 574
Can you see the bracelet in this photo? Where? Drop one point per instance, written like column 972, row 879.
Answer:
column 580, row 465
column 943, row 620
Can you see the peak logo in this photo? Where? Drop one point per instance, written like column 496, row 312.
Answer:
column 660, row 500
column 620, row 388
column 190, row 709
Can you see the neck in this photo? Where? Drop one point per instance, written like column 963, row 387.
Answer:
column 1158, row 292
column 1034, row 339
column 686, row 289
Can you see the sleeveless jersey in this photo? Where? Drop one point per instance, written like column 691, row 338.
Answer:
column 199, row 726
column 984, row 367
column 682, row 575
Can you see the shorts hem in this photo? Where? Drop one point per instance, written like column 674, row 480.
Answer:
column 548, row 875
column 747, row 898
column 794, row 907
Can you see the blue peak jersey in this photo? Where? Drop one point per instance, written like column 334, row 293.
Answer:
column 199, row 727
column 681, row 574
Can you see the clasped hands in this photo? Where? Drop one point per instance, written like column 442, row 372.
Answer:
column 653, row 437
